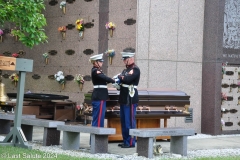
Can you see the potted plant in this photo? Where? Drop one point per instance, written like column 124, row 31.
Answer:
column 110, row 26
column 80, row 27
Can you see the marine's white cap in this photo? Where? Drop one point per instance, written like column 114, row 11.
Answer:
column 127, row 54
column 97, row 57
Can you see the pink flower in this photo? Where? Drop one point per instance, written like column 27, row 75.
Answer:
column 1, row 32
column 15, row 55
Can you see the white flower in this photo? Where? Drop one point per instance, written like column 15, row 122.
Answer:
column 59, row 73
column 223, row 109
column 62, row 4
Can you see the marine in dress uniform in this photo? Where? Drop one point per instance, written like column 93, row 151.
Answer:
column 100, row 92
column 128, row 98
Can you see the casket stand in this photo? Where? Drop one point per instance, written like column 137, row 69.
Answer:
column 154, row 105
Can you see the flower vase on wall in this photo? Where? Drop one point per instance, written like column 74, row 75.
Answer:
column 111, row 32
column 63, row 86
column 64, row 9
column 1, row 38
column 81, row 86
column 81, row 34
column 63, row 35
column 110, row 60
column 46, row 60
column 15, row 83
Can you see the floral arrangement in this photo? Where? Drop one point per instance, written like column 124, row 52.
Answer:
column 110, row 25
column 63, row 6
column 60, row 78
column 46, row 57
column 80, row 24
column 62, row 29
column 80, row 27
column 79, row 79
column 1, row 32
column 110, row 54
column 16, row 55
column 224, row 96
column 14, row 78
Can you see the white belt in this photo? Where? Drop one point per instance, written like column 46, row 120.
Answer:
column 100, row 86
column 126, row 85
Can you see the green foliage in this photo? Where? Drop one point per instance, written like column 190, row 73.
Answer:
column 9, row 152
column 27, row 17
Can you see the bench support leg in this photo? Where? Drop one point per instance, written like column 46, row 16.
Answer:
column 178, row 145
column 51, row 136
column 5, row 126
column 28, row 131
column 99, row 143
column 71, row 140
column 145, row 147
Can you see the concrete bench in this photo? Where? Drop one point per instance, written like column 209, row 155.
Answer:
column 51, row 136
column 145, row 137
column 6, row 119
column 99, row 137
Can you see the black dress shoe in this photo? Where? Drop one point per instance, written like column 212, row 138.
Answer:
column 126, row 146
column 120, row 144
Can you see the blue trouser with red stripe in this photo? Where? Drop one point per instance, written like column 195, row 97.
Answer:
column 98, row 113
column 128, row 121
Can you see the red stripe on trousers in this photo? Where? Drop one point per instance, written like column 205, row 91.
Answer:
column 100, row 114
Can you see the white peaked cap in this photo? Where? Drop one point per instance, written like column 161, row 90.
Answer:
column 127, row 54
column 97, row 57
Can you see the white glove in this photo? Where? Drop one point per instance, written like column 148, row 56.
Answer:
column 115, row 85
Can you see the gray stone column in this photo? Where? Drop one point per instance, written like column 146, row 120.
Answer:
column 212, row 67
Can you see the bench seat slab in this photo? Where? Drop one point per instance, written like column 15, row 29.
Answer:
column 99, row 143
column 71, row 140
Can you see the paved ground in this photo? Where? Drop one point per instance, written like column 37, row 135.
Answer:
column 194, row 143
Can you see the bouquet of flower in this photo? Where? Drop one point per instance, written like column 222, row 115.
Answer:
column 110, row 26
column 80, row 27
column 16, row 55
column 63, row 6
column 80, row 24
column 1, row 33
column 46, row 57
column 110, row 54
column 63, row 30
column 79, row 79
column 60, row 78
column 14, row 78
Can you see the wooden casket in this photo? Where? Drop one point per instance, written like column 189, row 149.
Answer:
column 154, row 105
